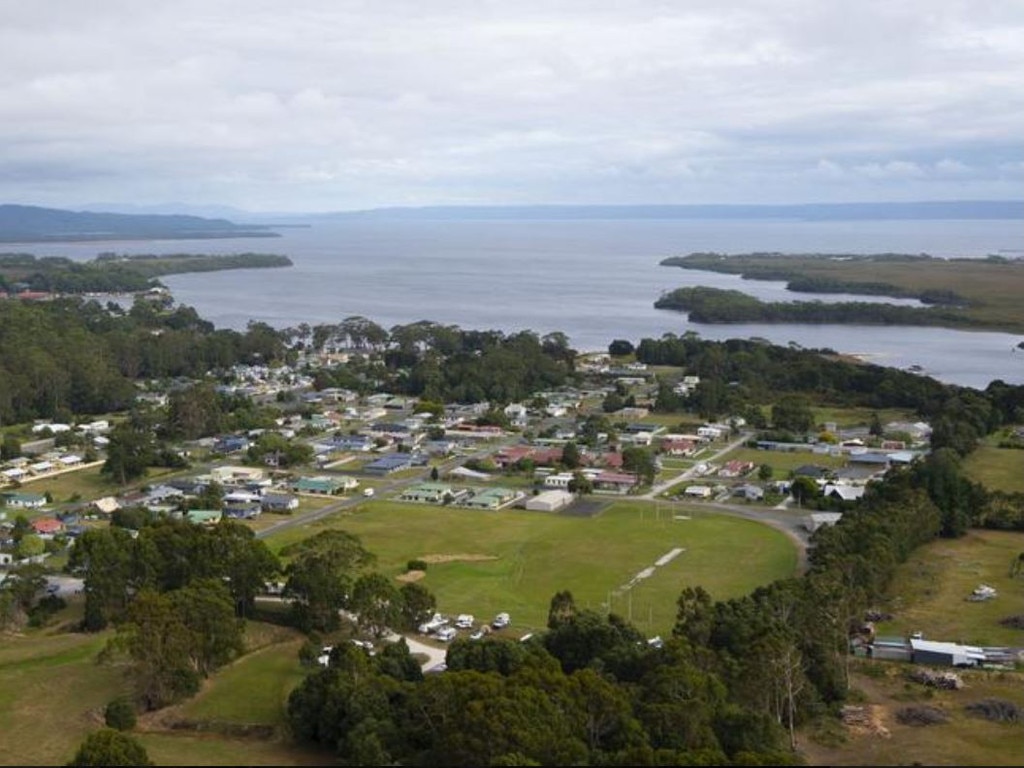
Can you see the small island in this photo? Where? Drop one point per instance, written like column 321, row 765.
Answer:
column 22, row 273
column 982, row 293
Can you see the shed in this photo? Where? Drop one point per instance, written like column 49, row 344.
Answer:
column 549, row 501
column 946, row 654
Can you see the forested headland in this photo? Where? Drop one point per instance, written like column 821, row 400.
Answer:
column 981, row 292
column 117, row 273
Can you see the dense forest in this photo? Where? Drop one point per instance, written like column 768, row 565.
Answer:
column 116, row 273
column 716, row 305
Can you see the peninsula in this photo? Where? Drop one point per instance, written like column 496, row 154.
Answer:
column 116, row 273
column 982, row 293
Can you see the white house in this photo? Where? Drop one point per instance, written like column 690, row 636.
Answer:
column 559, row 480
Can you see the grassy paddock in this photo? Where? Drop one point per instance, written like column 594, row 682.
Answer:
column 996, row 468
column 54, row 694
column 515, row 560
column 929, row 591
column 253, row 690
column 783, row 462
column 964, row 740
column 190, row 748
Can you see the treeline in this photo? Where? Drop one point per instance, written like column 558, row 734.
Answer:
column 715, row 305
column 70, row 356
column 738, row 376
column 810, row 284
column 113, row 273
column 729, row 687
column 444, row 363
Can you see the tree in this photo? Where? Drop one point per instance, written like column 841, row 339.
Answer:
column 320, row 577
column 641, row 461
column 803, row 489
column 206, row 608
column 376, row 603
column 621, row 348
column 110, row 747
column 765, row 472
column 10, row 448
column 107, row 559
column 571, row 458
column 120, row 714
column 418, row 605
column 31, row 545
column 129, row 453
column 160, row 647
column 793, row 413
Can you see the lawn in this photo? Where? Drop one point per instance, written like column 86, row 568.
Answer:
column 929, row 591
column 515, row 561
column 783, row 462
column 191, row 748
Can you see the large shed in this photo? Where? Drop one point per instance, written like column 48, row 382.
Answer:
column 549, row 501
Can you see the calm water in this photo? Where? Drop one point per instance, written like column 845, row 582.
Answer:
column 593, row 280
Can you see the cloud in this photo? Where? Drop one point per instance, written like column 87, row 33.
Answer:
column 325, row 104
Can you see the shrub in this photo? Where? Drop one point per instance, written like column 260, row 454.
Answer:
column 997, row 710
column 416, row 565
column 120, row 714
column 921, row 715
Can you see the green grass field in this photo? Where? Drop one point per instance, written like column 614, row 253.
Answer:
column 929, row 591
column 53, row 694
column 516, row 561
column 964, row 740
column 783, row 462
column 1000, row 469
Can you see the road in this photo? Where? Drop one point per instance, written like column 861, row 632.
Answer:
column 689, row 474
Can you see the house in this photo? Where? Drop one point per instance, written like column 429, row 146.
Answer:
column 241, row 496
column 698, row 491
column 18, row 500
column 231, row 444
column 735, row 468
column 816, row 520
column 430, row 493
column 324, row 485
column 203, row 516
column 614, row 482
column 549, row 501
column 678, row 447
column 236, row 475
column 709, row 432
column 558, row 480
column 843, row 492
column 392, row 462
column 242, row 510
column 107, row 505
column 47, row 526
column 69, row 460
column 356, row 443
column 810, row 470
column 749, row 492
column 491, row 498
column 279, row 502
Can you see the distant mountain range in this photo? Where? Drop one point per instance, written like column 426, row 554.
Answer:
column 970, row 209
column 31, row 224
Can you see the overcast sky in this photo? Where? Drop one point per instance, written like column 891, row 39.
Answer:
column 317, row 105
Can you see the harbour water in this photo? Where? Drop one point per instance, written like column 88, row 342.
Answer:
column 595, row 281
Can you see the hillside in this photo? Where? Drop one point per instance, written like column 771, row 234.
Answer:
column 31, row 224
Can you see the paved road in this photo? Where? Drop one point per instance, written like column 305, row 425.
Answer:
column 689, row 474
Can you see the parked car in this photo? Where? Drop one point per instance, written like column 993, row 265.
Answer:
column 501, row 621
column 446, row 634
column 464, row 621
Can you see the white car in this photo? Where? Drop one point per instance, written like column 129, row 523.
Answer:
column 446, row 634
column 501, row 621
column 464, row 621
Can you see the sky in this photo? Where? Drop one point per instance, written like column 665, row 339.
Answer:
column 329, row 105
